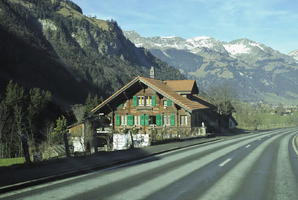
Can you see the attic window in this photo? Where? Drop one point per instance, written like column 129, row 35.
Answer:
column 167, row 103
column 148, row 101
column 141, row 100
column 164, row 103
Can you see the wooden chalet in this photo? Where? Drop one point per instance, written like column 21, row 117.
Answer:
column 148, row 104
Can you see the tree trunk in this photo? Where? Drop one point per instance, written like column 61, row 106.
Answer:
column 131, row 137
column 66, row 145
column 25, row 148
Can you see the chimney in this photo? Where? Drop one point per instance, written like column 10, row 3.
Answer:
column 152, row 74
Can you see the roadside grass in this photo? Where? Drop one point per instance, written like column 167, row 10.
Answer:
column 11, row 161
column 265, row 120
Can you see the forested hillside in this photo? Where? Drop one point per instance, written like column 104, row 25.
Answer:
column 52, row 45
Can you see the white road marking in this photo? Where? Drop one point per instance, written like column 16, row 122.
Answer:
column 293, row 144
column 285, row 183
column 228, row 184
column 76, row 188
column 225, row 162
column 247, row 146
column 151, row 186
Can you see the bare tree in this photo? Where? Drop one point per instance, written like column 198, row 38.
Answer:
column 79, row 111
column 223, row 96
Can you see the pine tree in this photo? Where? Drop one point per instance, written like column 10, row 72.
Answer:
column 91, row 102
column 59, row 130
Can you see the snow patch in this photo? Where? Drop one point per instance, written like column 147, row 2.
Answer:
column 235, row 49
column 139, row 44
column 168, row 37
column 157, row 44
column 256, row 45
column 165, row 53
column 241, row 74
column 199, row 38
column 199, row 42
column 294, row 54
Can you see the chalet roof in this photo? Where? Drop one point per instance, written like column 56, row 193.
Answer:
column 168, row 92
column 181, row 85
column 160, row 87
column 203, row 101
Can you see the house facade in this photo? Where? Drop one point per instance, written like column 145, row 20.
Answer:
column 151, row 106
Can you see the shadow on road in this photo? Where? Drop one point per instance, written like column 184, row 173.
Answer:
column 67, row 167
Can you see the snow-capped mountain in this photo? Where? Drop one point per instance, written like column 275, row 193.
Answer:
column 174, row 42
column 256, row 70
column 294, row 54
column 156, row 42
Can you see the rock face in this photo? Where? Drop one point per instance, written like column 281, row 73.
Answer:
column 50, row 44
column 257, row 72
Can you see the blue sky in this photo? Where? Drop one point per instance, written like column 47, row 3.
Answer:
column 272, row 22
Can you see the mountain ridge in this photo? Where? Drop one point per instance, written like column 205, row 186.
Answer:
column 258, row 72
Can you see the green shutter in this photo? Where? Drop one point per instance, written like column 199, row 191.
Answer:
column 146, row 120
column 143, row 120
column 159, row 120
column 153, row 102
column 130, row 120
column 118, row 120
column 169, row 102
column 134, row 101
column 172, row 119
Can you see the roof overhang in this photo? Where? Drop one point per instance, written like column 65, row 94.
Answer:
column 156, row 86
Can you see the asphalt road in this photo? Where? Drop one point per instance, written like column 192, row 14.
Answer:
column 262, row 166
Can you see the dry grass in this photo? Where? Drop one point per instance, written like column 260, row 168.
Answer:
column 69, row 12
column 11, row 161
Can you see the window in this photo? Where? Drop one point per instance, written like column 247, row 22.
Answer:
column 164, row 103
column 123, row 120
column 137, row 120
column 148, row 101
column 144, row 100
column 152, row 119
column 167, row 102
column 141, row 100
column 166, row 119
column 183, row 120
